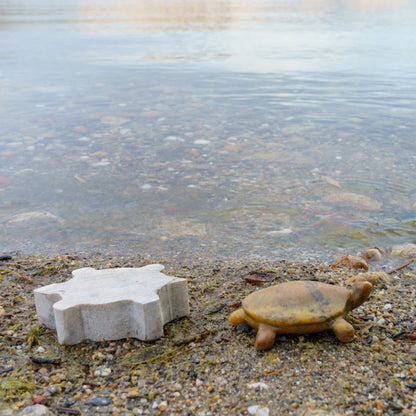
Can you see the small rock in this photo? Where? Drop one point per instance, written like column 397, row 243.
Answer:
column 53, row 389
column 372, row 254
column 34, row 216
column 173, row 139
column 395, row 407
column 102, row 162
column 69, row 403
column 246, row 328
column 114, row 120
column 102, row 371
column 358, row 201
column 407, row 250
column 150, row 114
column 201, row 141
column 163, row 406
column 133, row 394
column 98, row 401
column 259, row 385
column 175, row 387
column 36, row 410
column 81, row 129
column 6, row 369
column 258, row 410
column 40, row 399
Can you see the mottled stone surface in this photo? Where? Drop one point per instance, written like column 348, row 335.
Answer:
column 112, row 304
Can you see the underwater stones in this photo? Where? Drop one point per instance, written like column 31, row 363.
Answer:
column 373, row 254
column 34, row 216
column 407, row 250
column 112, row 304
column 349, row 199
column 4, row 181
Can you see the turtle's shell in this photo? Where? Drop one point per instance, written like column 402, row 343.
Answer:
column 296, row 303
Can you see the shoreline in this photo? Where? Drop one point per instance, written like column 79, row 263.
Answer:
column 202, row 366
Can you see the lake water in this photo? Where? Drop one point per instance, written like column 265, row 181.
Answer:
column 207, row 129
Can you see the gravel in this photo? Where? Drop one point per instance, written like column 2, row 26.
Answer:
column 202, row 366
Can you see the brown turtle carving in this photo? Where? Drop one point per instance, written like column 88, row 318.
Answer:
column 301, row 307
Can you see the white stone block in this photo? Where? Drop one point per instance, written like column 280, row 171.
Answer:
column 112, row 304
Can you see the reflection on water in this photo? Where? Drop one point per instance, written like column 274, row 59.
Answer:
column 209, row 129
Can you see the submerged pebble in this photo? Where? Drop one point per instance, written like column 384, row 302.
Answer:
column 406, row 250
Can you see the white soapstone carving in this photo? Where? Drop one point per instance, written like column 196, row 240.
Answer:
column 112, row 304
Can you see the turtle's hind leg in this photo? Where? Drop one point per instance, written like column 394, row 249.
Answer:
column 237, row 317
column 265, row 337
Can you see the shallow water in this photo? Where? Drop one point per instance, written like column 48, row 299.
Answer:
column 207, row 129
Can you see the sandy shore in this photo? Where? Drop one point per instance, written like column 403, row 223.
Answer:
column 202, row 366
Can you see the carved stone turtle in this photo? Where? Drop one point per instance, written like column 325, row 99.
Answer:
column 301, row 307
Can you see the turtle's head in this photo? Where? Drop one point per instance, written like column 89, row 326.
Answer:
column 360, row 291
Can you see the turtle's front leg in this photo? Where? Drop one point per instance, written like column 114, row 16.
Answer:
column 237, row 317
column 343, row 330
column 265, row 337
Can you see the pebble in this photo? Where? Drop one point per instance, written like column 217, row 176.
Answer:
column 53, row 389
column 81, row 129
column 163, row 405
column 103, row 162
column 175, row 387
column 133, row 394
column 98, row 401
column 102, row 371
column 258, row 410
column 173, row 139
column 372, row 254
column 381, row 321
column 281, row 231
column 40, row 399
column 114, row 120
column 260, row 385
column 201, row 141
column 349, row 199
column 34, row 216
column 35, row 410
column 407, row 250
